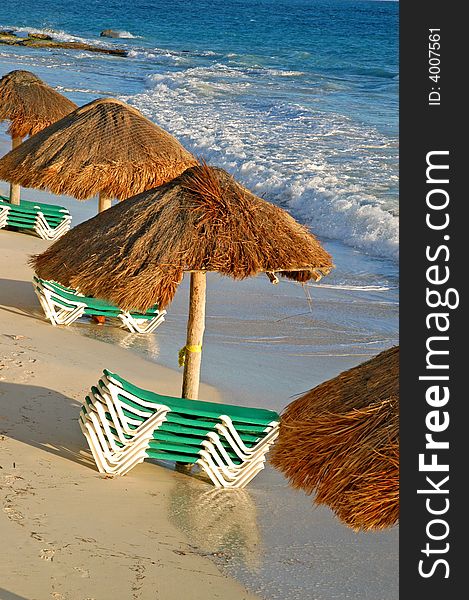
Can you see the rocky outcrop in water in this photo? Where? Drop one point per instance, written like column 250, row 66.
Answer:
column 39, row 40
column 39, row 36
column 110, row 33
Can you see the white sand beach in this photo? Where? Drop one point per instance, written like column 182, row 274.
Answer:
column 67, row 532
column 74, row 534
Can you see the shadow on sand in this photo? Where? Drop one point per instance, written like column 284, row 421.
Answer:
column 44, row 419
column 18, row 293
column 6, row 595
column 18, row 297
column 221, row 524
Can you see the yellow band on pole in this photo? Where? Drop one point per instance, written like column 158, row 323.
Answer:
column 184, row 349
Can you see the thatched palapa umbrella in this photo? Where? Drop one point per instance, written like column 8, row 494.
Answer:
column 30, row 105
column 135, row 253
column 340, row 441
column 105, row 147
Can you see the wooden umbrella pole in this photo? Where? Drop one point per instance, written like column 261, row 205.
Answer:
column 104, row 202
column 195, row 334
column 14, row 187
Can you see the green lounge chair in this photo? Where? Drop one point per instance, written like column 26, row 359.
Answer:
column 124, row 425
column 46, row 220
column 63, row 306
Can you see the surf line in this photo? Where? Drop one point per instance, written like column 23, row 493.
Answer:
column 440, row 300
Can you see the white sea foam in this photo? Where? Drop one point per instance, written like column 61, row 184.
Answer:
column 355, row 288
column 177, row 56
column 332, row 173
column 160, row 57
column 323, row 167
column 59, row 35
column 124, row 34
column 236, row 67
column 81, row 90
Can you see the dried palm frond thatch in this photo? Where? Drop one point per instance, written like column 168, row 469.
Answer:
column 135, row 253
column 30, row 104
column 340, row 442
column 105, row 147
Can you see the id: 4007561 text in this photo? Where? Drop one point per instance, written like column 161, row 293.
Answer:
column 434, row 45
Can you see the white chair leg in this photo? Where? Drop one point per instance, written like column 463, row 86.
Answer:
column 112, row 397
column 128, row 456
column 57, row 314
column 103, row 422
column 229, row 469
column 239, row 482
column 271, row 429
column 246, row 452
column 136, row 325
column 116, row 420
column 115, row 391
column 46, row 232
column 142, row 428
column 92, row 444
column 116, row 464
column 4, row 210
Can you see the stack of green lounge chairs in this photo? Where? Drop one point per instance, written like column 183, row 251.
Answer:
column 125, row 424
column 63, row 306
column 46, row 220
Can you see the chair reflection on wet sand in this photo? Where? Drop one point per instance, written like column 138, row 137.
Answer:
column 219, row 523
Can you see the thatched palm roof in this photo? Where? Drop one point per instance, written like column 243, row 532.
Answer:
column 30, row 104
column 340, row 441
column 134, row 254
column 103, row 147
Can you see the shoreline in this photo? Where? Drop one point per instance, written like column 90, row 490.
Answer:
column 50, row 489
column 291, row 336
column 267, row 537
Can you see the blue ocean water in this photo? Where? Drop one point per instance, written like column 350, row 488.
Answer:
column 297, row 98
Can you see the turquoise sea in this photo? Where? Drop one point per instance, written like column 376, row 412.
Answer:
column 299, row 100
